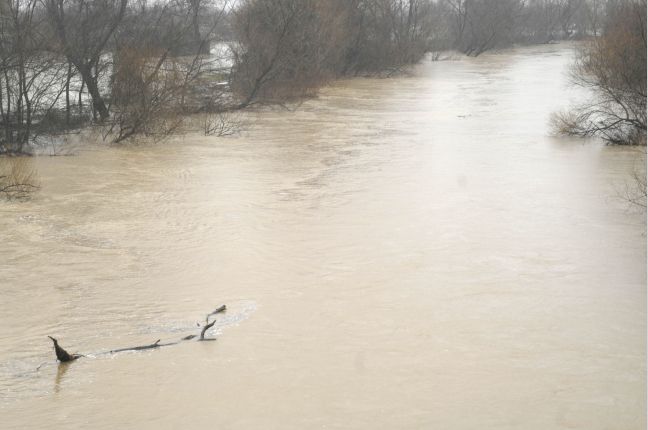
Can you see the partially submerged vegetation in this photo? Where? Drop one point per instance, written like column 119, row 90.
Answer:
column 613, row 67
column 136, row 68
column 132, row 68
column 17, row 178
column 127, row 67
column 288, row 49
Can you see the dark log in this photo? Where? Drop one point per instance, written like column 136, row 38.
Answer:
column 155, row 344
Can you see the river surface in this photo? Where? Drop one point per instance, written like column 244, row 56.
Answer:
column 405, row 253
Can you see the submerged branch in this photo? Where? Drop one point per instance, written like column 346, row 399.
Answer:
column 205, row 328
column 63, row 356
column 155, row 344
column 209, row 325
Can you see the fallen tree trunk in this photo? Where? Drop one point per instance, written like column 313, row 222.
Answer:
column 155, row 344
column 63, row 356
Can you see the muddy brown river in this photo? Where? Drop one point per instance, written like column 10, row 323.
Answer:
column 405, row 253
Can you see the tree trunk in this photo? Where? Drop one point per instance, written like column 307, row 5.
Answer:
column 81, row 98
column 67, row 95
column 93, row 89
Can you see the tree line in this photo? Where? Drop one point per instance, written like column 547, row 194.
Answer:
column 133, row 67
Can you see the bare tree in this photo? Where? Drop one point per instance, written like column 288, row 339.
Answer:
column 280, row 50
column 541, row 21
column 287, row 49
column 84, row 29
column 30, row 77
column 590, row 18
column 635, row 190
column 152, row 86
column 613, row 67
column 481, row 25
column 476, row 26
column 568, row 10
column 384, row 35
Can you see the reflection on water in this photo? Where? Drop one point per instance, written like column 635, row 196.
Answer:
column 414, row 252
column 61, row 369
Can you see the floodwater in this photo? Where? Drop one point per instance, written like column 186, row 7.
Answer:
column 406, row 253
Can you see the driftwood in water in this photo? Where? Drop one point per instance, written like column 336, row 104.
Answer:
column 218, row 310
column 209, row 325
column 155, row 344
column 63, row 356
column 205, row 328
